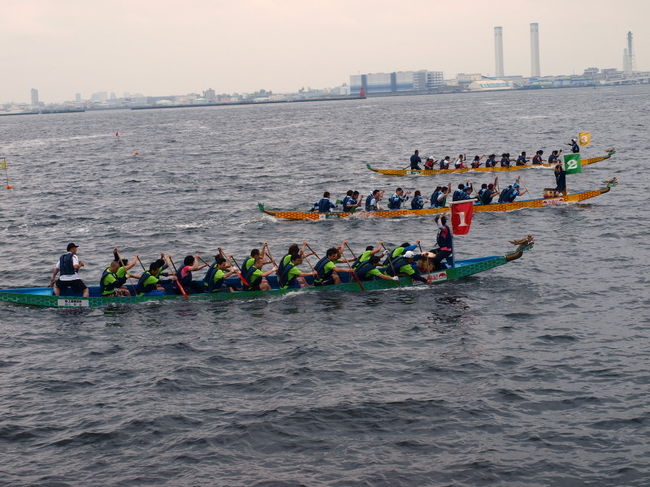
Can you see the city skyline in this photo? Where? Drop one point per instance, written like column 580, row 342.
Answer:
column 158, row 48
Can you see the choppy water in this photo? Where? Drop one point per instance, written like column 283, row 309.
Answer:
column 534, row 374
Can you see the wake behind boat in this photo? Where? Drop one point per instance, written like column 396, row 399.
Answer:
column 43, row 296
column 433, row 172
column 493, row 207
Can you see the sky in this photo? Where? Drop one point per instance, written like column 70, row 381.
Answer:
column 162, row 47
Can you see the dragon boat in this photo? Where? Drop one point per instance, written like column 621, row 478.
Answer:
column 43, row 296
column 434, row 172
column 493, row 207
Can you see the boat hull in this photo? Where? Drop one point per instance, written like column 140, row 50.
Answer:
column 434, row 172
column 494, row 207
column 44, row 297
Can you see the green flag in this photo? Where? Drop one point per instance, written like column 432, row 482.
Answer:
column 572, row 164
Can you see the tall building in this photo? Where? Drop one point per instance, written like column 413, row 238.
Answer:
column 628, row 56
column 534, row 50
column 498, row 52
column 34, row 94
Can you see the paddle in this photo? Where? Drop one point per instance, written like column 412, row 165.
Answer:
column 178, row 282
column 238, row 271
column 390, row 261
column 354, row 274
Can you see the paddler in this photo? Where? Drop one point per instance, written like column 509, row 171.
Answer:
column 554, row 157
column 439, row 197
column 522, row 160
column 476, row 162
column 399, row 251
column 417, row 203
column 397, row 198
column 416, row 160
column 491, row 161
column 255, row 279
column 368, row 253
column 575, row 148
column 150, row 280
column 560, row 178
column 324, row 205
column 291, row 275
column 487, row 192
column 214, row 280
column 372, row 200
column 537, row 158
column 68, row 267
column 326, row 271
column 114, row 277
column 445, row 243
column 350, row 202
column 403, row 266
column 369, row 270
column 429, row 163
column 185, row 275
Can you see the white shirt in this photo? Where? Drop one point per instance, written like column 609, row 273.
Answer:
column 69, row 277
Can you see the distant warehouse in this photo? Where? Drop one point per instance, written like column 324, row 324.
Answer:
column 396, row 82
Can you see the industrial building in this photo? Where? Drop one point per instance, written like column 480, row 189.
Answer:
column 396, row 82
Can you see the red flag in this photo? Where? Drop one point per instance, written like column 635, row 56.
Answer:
column 461, row 216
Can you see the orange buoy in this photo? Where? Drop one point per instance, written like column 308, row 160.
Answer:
column 9, row 186
column 136, row 153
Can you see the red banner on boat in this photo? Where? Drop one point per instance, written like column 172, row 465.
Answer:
column 461, row 216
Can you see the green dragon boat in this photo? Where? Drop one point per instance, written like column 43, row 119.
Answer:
column 43, row 296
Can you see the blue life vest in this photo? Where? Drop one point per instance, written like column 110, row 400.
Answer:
column 552, row 159
column 396, row 264
column 324, row 205
column 458, row 195
column 505, row 162
column 320, row 269
column 184, row 280
column 208, row 281
column 348, row 201
column 434, row 198
column 394, row 202
column 247, row 274
column 362, row 269
column 503, row 196
column 575, row 148
column 284, row 274
column 485, row 197
column 66, row 268
column 141, row 288
column 370, row 207
column 417, row 203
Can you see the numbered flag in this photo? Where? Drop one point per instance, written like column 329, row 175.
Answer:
column 572, row 164
column 461, row 216
column 3, row 164
column 584, row 138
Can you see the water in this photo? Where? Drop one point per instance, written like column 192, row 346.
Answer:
column 535, row 373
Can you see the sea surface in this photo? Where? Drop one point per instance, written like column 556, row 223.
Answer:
column 532, row 374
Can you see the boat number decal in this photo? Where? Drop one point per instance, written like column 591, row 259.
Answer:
column 438, row 276
column 553, row 201
column 73, row 303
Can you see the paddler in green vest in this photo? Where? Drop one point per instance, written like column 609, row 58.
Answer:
column 150, row 280
column 253, row 278
column 367, row 254
column 403, row 266
column 292, row 275
column 369, row 270
column 326, row 271
column 214, row 280
column 114, row 277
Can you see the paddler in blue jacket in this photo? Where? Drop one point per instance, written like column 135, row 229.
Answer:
column 324, row 205
column 575, row 148
column 252, row 271
column 185, row 275
column 416, row 160
column 444, row 240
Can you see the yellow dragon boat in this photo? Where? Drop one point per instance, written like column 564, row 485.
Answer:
column 493, row 207
column 434, row 172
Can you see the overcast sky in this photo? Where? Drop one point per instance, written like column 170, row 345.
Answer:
column 161, row 47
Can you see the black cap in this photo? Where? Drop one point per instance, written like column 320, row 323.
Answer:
column 71, row 246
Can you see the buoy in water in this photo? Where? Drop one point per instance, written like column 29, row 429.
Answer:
column 9, row 186
column 136, row 153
